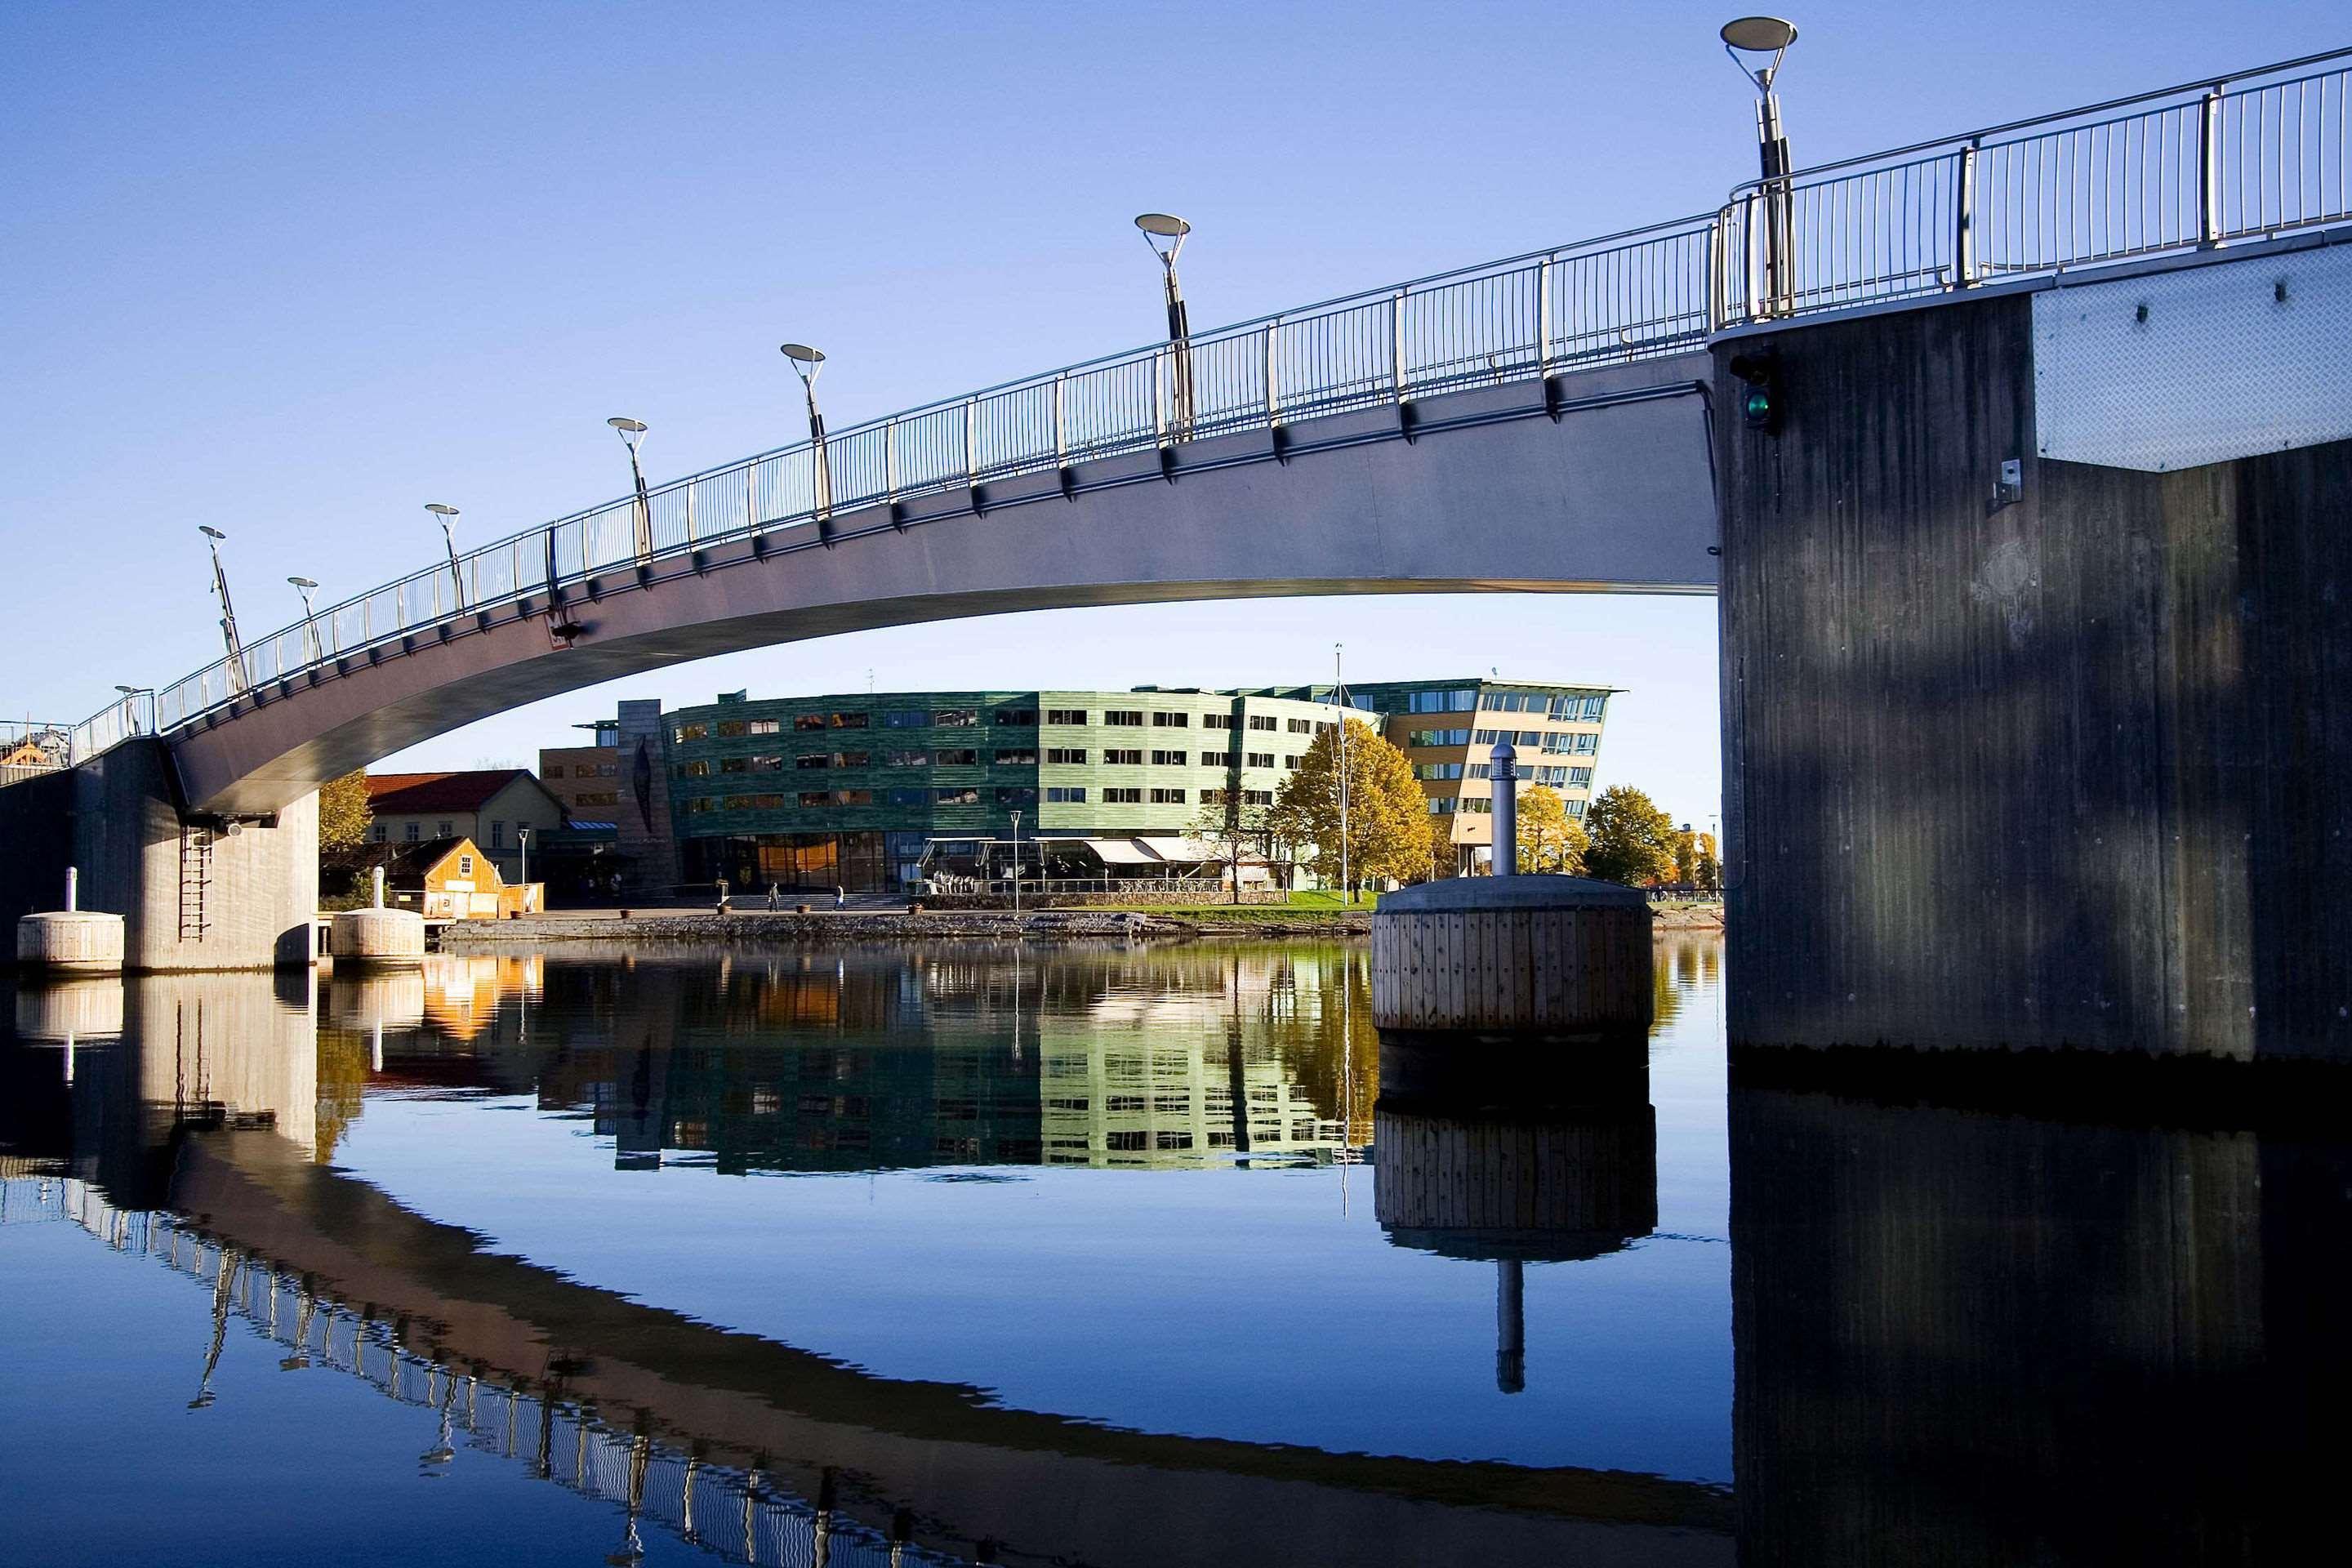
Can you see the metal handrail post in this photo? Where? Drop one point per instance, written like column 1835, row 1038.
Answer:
column 970, row 440
column 1273, row 400
column 1543, row 319
column 751, row 500
column 1396, row 343
column 1964, row 220
column 890, row 457
column 2209, row 168
column 1061, row 446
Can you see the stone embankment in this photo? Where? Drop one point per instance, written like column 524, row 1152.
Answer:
column 892, row 925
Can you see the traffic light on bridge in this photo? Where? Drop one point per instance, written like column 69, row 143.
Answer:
column 1759, row 393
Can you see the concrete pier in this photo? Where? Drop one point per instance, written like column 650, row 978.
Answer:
column 71, row 941
column 377, row 937
column 1562, row 957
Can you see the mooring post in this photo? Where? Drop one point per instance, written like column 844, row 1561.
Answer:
column 379, row 887
column 1503, row 767
column 73, row 889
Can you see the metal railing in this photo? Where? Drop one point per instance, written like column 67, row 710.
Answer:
column 2187, row 166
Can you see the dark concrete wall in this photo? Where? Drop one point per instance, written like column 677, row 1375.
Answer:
column 2074, row 771
column 117, row 817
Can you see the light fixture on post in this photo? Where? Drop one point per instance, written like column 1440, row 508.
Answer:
column 808, row 361
column 447, row 515
column 1164, row 233
column 306, row 587
column 236, row 680
column 131, row 695
column 1744, row 38
column 1016, row 866
column 632, row 435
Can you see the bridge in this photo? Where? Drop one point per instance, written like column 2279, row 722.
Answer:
column 2012, row 455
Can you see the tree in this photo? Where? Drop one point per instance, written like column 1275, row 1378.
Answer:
column 1633, row 840
column 1550, row 839
column 1709, row 871
column 343, row 814
column 1235, row 829
column 1387, row 814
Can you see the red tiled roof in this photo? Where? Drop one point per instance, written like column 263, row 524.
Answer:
column 406, row 795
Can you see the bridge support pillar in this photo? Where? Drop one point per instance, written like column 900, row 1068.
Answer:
column 194, row 893
column 2055, row 758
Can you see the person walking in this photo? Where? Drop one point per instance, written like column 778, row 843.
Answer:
column 840, row 896
column 774, row 895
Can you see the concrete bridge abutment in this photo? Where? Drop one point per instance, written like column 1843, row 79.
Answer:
column 195, row 892
column 2059, row 764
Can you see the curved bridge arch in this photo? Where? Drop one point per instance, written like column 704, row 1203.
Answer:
column 1591, row 482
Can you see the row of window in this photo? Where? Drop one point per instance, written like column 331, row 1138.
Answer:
column 1249, row 796
column 583, row 770
column 891, row 719
column 1058, row 794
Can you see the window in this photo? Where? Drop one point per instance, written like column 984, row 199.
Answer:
column 1122, row 797
column 1167, row 797
column 1117, row 1141
column 379, row 833
column 1477, row 804
column 1216, row 721
column 596, row 798
column 756, row 802
column 1124, row 757
column 1016, row 718
column 607, row 770
column 767, row 764
column 1438, row 738
column 1442, row 807
column 963, row 796
column 1297, row 727
column 1213, row 797
column 1016, row 757
column 907, row 759
column 1580, row 776
column 1172, row 759
column 812, row 760
column 1575, row 809
column 693, row 732
column 847, row 720
column 766, row 726
column 851, row 759
column 808, row 721
column 1070, row 755
column 1488, row 737
column 735, row 765
column 1437, row 770
column 1123, row 716
column 1479, row 771
column 906, row 719
column 1208, row 759
column 1261, row 720
column 1260, row 758
column 700, row 803
column 956, row 756
column 1257, row 797
column 465, row 865
column 1171, row 720
column 730, row 728
column 1066, row 795
column 1587, row 743
column 816, row 797
column 553, row 769
column 1290, row 765
column 1555, row 777
column 1173, row 1139
column 1016, row 797
column 852, row 797
column 911, row 798
column 694, row 770
column 446, row 832
column 1441, row 701
column 956, row 717
column 1065, row 715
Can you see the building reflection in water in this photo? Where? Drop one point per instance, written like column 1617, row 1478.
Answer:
column 1996, row 1335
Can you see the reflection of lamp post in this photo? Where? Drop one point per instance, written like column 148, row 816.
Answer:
column 448, row 516
column 632, row 435
column 1339, row 700
column 306, row 587
column 213, row 536
column 1016, row 864
column 1164, row 233
column 808, row 361
column 1770, row 35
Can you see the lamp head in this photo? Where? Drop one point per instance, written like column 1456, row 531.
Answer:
column 628, row 429
column 1759, row 36
column 1164, row 232
column 209, row 531
column 441, row 510
column 302, row 583
column 805, row 359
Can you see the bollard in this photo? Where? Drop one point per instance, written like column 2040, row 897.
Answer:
column 1502, row 764
column 71, row 941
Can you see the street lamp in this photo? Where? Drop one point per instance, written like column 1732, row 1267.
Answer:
column 213, row 537
column 632, row 435
column 1164, row 233
column 306, row 587
column 131, row 695
column 1339, row 700
column 808, row 361
column 523, row 833
column 1016, row 866
column 1755, row 37
column 448, row 516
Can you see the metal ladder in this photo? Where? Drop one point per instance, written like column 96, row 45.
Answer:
column 195, row 881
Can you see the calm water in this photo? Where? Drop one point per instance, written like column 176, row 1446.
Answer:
column 1100, row 1255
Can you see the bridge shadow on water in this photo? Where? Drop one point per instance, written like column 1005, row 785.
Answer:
column 1966, row 1332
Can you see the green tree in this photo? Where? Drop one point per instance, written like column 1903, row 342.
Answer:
column 343, row 814
column 1633, row 840
column 1550, row 839
column 1387, row 814
column 1708, row 872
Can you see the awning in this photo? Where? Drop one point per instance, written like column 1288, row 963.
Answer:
column 1121, row 851
column 1182, row 851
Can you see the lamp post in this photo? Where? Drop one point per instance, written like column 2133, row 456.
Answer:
column 306, row 587
column 131, row 695
column 1016, row 866
column 1758, row 36
column 446, row 516
column 808, row 361
column 236, row 681
column 523, row 835
column 632, row 435
column 1502, row 770
column 1339, row 700
column 1164, row 233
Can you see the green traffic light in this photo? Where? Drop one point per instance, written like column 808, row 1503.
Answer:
column 1758, row 406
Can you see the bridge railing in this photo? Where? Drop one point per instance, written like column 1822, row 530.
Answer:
column 2257, row 153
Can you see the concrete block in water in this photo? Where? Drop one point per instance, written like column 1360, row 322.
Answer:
column 1516, row 955
column 70, row 941
column 377, row 937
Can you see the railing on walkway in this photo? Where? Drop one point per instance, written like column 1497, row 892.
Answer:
column 2195, row 166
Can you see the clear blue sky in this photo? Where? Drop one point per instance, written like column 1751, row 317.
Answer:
column 294, row 269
